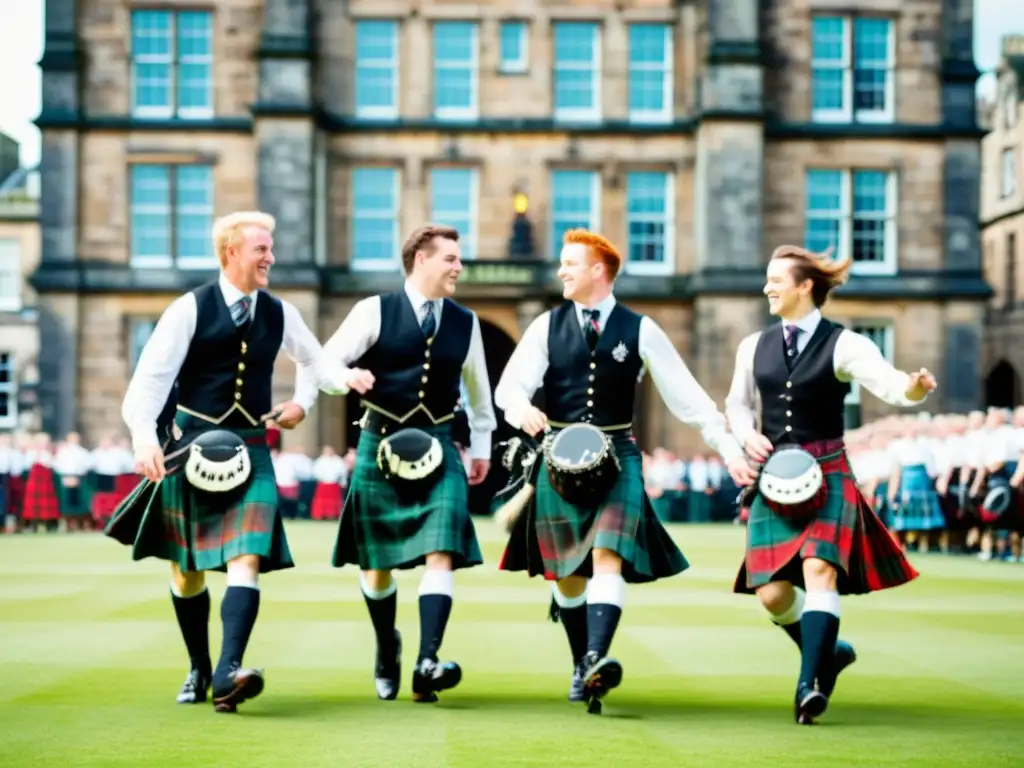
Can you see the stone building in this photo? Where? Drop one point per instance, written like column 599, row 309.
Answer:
column 698, row 134
column 1002, row 223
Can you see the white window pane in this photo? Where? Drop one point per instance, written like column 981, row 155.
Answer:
column 375, row 215
column 648, row 217
column 823, row 208
column 376, row 66
column 512, row 40
column 151, row 33
column 195, row 89
column 827, row 39
column 572, row 203
column 195, row 34
column 828, row 89
column 576, row 77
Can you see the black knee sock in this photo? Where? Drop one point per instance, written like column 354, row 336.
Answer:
column 382, row 614
column 238, row 612
column 793, row 630
column 194, row 621
column 602, row 621
column 575, row 622
column 434, row 613
column 819, row 632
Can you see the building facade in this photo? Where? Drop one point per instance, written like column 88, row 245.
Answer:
column 19, row 316
column 697, row 134
column 1002, row 216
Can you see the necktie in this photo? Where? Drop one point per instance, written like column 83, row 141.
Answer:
column 240, row 311
column 792, row 334
column 429, row 324
column 591, row 328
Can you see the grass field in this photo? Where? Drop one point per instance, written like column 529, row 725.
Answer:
column 90, row 662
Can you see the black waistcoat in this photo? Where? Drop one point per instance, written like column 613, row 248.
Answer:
column 410, row 372
column 227, row 366
column 805, row 404
column 596, row 387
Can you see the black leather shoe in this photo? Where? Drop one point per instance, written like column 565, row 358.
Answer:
column 600, row 677
column 844, row 657
column 432, row 676
column 808, row 704
column 195, row 688
column 240, row 685
column 387, row 672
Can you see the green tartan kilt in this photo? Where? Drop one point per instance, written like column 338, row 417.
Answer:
column 554, row 539
column 170, row 521
column 74, row 502
column 845, row 533
column 378, row 532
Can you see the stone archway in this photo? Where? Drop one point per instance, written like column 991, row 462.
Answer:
column 1002, row 386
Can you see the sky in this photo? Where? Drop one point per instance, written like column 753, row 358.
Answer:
column 21, row 47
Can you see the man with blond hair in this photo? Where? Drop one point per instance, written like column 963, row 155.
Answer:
column 216, row 345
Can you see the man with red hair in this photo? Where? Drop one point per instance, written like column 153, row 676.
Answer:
column 589, row 354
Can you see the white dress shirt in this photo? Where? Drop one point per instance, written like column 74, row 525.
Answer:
column 361, row 329
column 685, row 398
column 284, row 470
column 909, row 452
column 165, row 352
column 43, row 458
column 975, row 442
column 856, row 358
column 330, row 469
column 72, row 461
column 698, row 475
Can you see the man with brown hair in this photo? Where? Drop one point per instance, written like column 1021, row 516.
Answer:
column 416, row 347
column 796, row 376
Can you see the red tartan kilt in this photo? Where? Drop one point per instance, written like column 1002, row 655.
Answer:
column 125, row 484
column 41, row 502
column 290, row 492
column 15, row 494
column 327, row 502
column 865, row 554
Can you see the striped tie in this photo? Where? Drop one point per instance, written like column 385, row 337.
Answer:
column 240, row 311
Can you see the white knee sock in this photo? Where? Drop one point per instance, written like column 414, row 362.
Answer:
column 824, row 601
column 607, row 589
column 242, row 575
column 437, row 583
column 792, row 614
column 563, row 601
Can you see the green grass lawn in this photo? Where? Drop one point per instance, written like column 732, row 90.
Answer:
column 91, row 659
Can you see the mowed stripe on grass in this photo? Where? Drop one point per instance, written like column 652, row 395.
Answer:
column 91, row 660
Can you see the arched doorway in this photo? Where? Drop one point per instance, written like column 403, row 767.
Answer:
column 1002, row 386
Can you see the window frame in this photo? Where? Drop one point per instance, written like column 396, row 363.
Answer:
column 394, row 262
column 847, row 64
column 667, row 265
column 394, row 65
column 590, row 114
column 173, row 62
column 172, row 260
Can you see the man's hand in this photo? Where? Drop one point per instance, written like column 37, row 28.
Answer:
column 149, row 462
column 534, row 421
column 478, row 470
column 741, row 472
column 1018, row 477
column 921, row 383
column 360, row 380
column 758, row 447
column 286, row 416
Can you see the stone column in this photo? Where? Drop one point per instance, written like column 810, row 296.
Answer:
column 58, row 219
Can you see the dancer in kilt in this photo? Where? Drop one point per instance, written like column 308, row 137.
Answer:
column 589, row 355
column 795, row 376
column 413, row 348
column 219, row 343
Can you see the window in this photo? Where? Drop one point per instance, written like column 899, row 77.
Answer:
column 577, row 71
column 8, row 392
column 1011, row 270
column 1009, row 105
column 10, row 274
column 139, row 331
column 515, row 46
column 852, row 64
column 455, row 70
column 575, row 202
column 854, row 214
column 880, row 332
column 650, row 73
column 1008, row 177
column 377, row 69
column 454, row 193
column 172, row 63
column 650, row 223
column 172, row 216
column 376, row 200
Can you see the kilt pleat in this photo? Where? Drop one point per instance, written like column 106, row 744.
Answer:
column 170, row 521
column 845, row 533
column 41, row 503
column 554, row 539
column 378, row 532
column 917, row 505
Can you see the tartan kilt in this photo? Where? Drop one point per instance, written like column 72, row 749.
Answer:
column 554, row 539
column 170, row 521
column 16, row 495
column 845, row 533
column 379, row 532
column 327, row 502
column 917, row 504
column 41, row 503
column 74, row 500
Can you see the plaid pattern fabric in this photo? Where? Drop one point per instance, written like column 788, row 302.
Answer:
column 74, row 500
column 327, row 502
column 846, row 533
column 917, row 504
column 170, row 521
column 378, row 532
column 41, row 504
column 554, row 538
